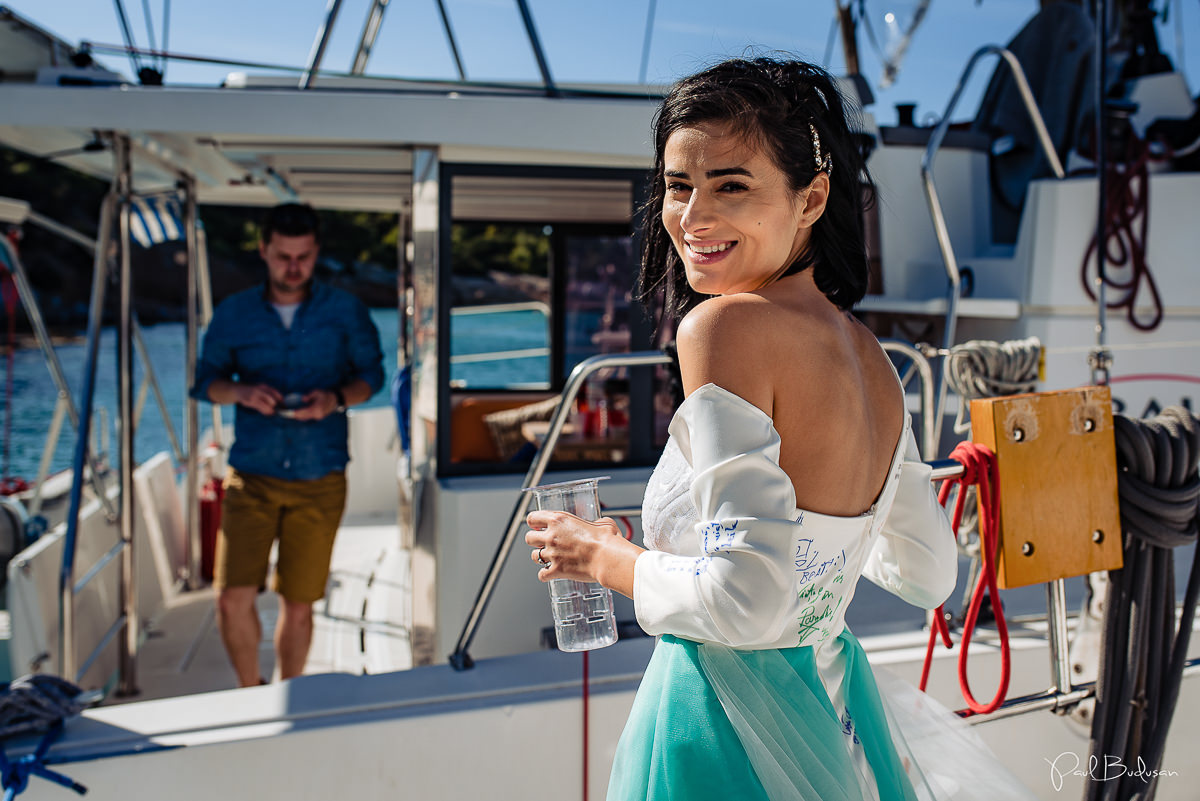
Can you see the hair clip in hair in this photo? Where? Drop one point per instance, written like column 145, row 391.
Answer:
column 823, row 164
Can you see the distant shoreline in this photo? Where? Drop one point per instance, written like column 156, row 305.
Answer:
column 27, row 341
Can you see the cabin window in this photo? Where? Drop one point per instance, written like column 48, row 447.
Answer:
column 541, row 269
column 500, row 310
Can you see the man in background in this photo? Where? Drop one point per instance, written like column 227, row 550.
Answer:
column 293, row 355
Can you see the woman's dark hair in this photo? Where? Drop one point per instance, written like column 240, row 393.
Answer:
column 290, row 219
column 771, row 103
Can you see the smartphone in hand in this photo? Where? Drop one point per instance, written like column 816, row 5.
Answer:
column 290, row 403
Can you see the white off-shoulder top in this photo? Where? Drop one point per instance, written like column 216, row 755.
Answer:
column 733, row 561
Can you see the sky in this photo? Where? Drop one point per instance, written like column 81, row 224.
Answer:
column 585, row 41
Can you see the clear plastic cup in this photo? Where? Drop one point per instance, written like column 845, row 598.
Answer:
column 583, row 610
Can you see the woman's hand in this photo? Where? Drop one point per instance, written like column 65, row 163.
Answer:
column 569, row 547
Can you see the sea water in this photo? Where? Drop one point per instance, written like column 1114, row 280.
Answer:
column 31, row 402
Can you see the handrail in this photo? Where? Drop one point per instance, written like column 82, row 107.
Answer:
column 191, row 421
column 460, row 659
column 1054, row 699
column 929, row 428
column 117, row 200
column 66, row 582
column 127, row 583
column 935, row 207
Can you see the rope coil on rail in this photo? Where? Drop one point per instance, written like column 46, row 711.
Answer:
column 983, row 369
column 1144, row 651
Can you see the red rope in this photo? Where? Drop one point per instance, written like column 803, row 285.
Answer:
column 585, row 725
column 628, row 534
column 980, row 470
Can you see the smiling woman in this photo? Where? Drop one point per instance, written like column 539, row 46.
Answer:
column 791, row 470
column 732, row 215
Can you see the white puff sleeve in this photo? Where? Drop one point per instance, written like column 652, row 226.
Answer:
column 740, row 591
column 915, row 556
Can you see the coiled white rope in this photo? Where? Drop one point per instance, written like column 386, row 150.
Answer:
column 983, row 369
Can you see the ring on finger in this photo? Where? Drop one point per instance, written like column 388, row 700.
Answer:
column 540, row 560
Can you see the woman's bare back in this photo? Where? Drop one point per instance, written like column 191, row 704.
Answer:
column 820, row 375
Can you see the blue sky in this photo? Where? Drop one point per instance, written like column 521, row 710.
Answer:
column 594, row 41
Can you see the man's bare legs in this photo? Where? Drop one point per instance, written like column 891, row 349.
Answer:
column 241, row 631
column 293, row 636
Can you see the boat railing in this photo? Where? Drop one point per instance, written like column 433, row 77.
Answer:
column 67, row 585
column 116, row 207
column 539, row 352
column 941, row 231
column 924, row 370
column 460, row 659
column 64, row 403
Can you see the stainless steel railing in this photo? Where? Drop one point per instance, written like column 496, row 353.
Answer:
column 929, row 427
column 66, row 583
column 64, row 402
column 125, row 628
column 935, row 206
column 460, row 659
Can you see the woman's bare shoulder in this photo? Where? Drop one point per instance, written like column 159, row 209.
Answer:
column 734, row 341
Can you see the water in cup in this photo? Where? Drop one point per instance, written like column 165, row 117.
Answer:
column 583, row 610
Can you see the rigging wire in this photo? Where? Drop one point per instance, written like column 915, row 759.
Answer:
column 127, row 35
column 833, row 29
column 149, row 20
column 646, row 39
column 166, row 32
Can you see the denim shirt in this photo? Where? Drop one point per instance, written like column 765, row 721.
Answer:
column 331, row 343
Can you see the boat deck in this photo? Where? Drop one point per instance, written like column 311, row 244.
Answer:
column 361, row 626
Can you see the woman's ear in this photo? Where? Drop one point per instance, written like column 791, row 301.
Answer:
column 815, row 196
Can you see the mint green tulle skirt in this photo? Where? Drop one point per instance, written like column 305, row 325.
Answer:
column 710, row 722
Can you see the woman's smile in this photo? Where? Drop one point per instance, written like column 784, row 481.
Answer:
column 707, row 252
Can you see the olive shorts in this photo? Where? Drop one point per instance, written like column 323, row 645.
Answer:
column 302, row 515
